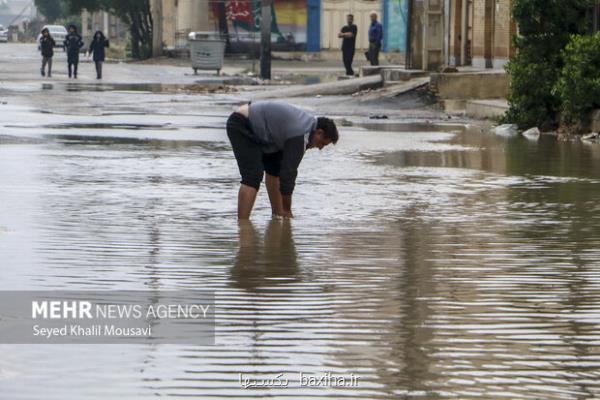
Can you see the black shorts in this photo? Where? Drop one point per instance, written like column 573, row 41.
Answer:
column 252, row 161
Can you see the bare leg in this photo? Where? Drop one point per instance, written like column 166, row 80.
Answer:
column 246, row 198
column 272, row 183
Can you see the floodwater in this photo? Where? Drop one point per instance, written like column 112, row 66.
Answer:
column 431, row 263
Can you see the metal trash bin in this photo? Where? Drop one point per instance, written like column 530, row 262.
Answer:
column 207, row 51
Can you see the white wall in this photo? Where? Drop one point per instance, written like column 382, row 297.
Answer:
column 333, row 18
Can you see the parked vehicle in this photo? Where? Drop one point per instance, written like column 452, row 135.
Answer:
column 58, row 32
column 3, row 34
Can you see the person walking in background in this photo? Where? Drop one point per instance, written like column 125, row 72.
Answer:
column 47, row 44
column 348, row 36
column 99, row 43
column 73, row 45
column 375, row 38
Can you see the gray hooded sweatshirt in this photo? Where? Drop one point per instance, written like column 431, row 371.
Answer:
column 282, row 127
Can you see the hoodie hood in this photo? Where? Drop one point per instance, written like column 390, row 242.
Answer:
column 72, row 27
column 45, row 30
column 101, row 35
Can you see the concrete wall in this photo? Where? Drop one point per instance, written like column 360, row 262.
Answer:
column 468, row 86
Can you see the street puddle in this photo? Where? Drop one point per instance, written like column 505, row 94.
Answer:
column 433, row 261
column 156, row 88
column 126, row 126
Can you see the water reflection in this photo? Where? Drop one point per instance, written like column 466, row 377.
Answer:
column 267, row 260
column 431, row 264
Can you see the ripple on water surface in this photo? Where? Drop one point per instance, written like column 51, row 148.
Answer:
column 430, row 264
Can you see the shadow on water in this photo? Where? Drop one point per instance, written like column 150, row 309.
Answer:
column 271, row 259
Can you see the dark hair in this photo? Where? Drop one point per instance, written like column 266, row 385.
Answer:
column 351, row 15
column 329, row 129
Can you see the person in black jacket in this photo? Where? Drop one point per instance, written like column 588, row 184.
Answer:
column 348, row 36
column 47, row 44
column 73, row 44
column 97, row 47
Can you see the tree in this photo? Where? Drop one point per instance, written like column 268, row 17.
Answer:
column 137, row 14
column 545, row 27
column 51, row 9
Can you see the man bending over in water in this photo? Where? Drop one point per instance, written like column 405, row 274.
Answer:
column 271, row 137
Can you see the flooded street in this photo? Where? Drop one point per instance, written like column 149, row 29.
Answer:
column 429, row 261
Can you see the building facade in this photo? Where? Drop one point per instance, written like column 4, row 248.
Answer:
column 431, row 33
column 474, row 33
column 298, row 25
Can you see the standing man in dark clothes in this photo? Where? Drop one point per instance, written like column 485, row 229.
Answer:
column 73, row 44
column 375, row 38
column 97, row 47
column 47, row 44
column 272, row 137
column 348, row 36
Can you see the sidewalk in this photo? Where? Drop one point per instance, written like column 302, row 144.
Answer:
column 237, row 66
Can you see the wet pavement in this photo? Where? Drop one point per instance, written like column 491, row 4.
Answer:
column 432, row 261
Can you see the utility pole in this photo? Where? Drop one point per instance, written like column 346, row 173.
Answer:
column 265, row 42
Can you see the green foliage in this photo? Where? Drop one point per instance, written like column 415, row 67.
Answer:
column 550, row 18
column 135, row 13
column 532, row 98
column 545, row 28
column 579, row 83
